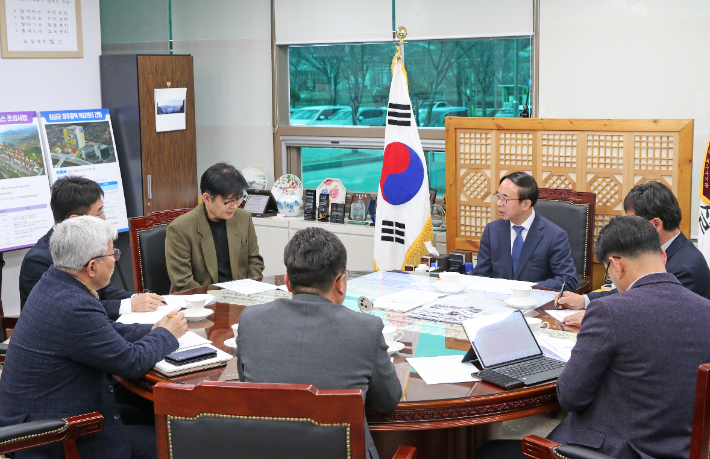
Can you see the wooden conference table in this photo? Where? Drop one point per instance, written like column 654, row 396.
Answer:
column 440, row 420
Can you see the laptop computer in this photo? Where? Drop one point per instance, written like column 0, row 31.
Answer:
column 505, row 346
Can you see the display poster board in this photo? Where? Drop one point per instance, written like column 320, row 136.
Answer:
column 40, row 28
column 81, row 142
column 25, row 215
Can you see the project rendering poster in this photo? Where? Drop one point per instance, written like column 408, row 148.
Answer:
column 25, row 215
column 80, row 142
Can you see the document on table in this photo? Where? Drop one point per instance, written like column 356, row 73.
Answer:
column 247, row 286
column 555, row 348
column 487, row 284
column 148, row 318
column 406, row 300
column 560, row 314
column 443, row 370
column 190, row 340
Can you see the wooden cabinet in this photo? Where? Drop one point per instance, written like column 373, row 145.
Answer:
column 159, row 169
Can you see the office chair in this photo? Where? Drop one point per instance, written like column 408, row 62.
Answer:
column 573, row 211
column 147, row 234
column 38, row 433
column 260, row 420
column 536, row 447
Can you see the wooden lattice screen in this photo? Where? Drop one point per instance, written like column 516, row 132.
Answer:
column 607, row 157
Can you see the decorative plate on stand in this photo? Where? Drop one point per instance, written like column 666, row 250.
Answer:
column 335, row 188
column 287, row 183
column 256, row 177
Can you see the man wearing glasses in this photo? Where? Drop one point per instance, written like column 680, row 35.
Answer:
column 656, row 203
column 522, row 245
column 74, row 196
column 215, row 241
column 314, row 339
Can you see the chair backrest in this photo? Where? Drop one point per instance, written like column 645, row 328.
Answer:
column 260, row 420
column 573, row 211
column 700, row 438
column 148, row 250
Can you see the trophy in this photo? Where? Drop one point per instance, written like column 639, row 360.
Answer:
column 358, row 209
column 438, row 218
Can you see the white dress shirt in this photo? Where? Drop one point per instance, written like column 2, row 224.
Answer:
column 524, row 233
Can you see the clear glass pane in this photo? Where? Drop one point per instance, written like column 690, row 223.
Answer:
column 348, row 85
column 359, row 170
column 135, row 26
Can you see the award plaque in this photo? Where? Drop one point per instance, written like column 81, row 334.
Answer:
column 309, row 204
column 323, row 204
column 358, row 209
column 337, row 213
column 260, row 203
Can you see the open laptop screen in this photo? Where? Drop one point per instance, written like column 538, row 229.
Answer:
column 500, row 338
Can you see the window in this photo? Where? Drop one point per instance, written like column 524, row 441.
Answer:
column 359, row 169
column 349, row 84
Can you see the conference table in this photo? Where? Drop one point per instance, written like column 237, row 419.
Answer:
column 440, row 420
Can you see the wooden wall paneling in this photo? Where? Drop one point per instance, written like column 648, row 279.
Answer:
column 168, row 157
column 607, row 157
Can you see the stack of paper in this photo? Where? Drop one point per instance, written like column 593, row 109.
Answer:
column 560, row 314
column 174, row 302
column 188, row 341
column 247, row 286
column 447, row 369
column 555, row 348
column 406, row 300
column 488, row 284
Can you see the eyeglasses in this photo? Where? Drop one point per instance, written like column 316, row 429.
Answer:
column 116, row 255
column 237, row 201
column 607, row 279
column 346, row 273
column 503, row 199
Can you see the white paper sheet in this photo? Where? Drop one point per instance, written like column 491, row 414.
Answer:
column 443, row 370
column 406, row 300
column 560, row 314
column 247, row 286
column 190, row 340
column 174, row 302
column 487, row 284
column 555, row 348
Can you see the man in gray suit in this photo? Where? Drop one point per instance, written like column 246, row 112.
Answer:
column 630, row 383
column 314, row 339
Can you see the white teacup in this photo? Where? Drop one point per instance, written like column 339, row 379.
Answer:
column 523, row 292
column 449, row 277
column 195, row 304
column 536, row 324
column 235, row 330
column 392, row 334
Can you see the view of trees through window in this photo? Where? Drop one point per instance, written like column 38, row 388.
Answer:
column 349, row 84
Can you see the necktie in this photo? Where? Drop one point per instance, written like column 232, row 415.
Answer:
column 517, row 245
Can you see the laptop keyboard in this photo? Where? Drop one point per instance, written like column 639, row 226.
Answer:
column 530, row 367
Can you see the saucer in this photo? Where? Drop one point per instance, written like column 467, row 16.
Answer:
column 394, row 347
column 231, row 343
column 449, row 287
column 521, row 302
column 193, row 315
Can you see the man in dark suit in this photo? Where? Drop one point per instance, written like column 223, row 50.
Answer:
column 656, row 203
column 215, row 241
column 630, row 383
column 522, row 245
column 73, row 196
column 313, row 338
column 64, row 347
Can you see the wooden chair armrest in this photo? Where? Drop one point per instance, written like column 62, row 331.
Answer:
column 586, row 287
column 405, row 452
column 536, row 447
column 10, row 321
column 38, row 433
column 579, row 452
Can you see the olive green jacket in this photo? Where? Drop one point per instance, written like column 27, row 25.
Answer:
column 190, row 253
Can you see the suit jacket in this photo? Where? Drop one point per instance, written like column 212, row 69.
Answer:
column 191, row 256
column 59, row 359
column 686, row 263
column 310, row 340
column 38, row 260
column 546, row 257
column 630, row 383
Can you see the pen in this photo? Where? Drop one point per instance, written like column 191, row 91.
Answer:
column 557, row 303
column 173, row 315
column 148, row 291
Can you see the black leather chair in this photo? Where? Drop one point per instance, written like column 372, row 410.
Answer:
column 147, row 234
column 573, row 211
column 295, row 421
column 38, row 433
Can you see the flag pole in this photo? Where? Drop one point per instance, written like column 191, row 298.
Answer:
column 401, row 34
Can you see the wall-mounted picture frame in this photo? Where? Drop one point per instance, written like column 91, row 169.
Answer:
column 40, row 29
